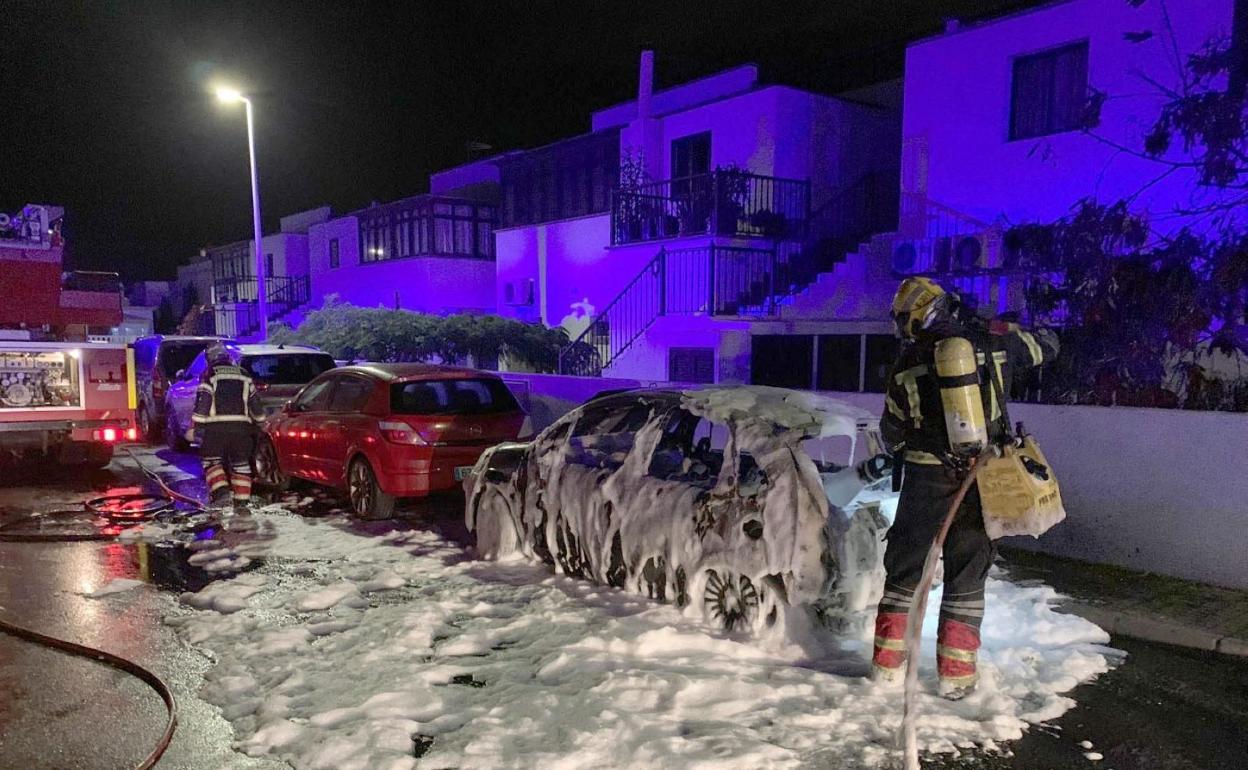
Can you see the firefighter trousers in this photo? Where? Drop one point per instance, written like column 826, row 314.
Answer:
column 226, row 451
column 926, row 492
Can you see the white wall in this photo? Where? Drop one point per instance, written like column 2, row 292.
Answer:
column 957, row 108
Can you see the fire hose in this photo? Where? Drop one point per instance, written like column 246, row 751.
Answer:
column 118, row 662
column 116, row 508
column 914, row 621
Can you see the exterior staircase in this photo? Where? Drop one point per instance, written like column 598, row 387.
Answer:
column 738, row 282
column 235, row 312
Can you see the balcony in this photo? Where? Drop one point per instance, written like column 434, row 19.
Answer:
column 427, row 226
column 234, row 302
column 723, row 202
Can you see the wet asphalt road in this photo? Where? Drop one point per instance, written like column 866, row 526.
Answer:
column 1163, row 709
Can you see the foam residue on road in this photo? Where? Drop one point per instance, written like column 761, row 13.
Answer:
column 354, row 645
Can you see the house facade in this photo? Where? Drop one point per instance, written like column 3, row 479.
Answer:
column 429, row 253
column 1018, row 119
column 683, row 231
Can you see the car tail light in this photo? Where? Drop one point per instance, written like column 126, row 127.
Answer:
column 526, row 428
column 400, row 433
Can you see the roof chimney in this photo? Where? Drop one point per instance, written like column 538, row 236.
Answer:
column 645, row 83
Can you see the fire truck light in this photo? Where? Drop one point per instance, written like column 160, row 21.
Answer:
column 110, row 434
column 132, row 434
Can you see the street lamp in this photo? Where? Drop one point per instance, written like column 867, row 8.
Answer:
column 230, row 96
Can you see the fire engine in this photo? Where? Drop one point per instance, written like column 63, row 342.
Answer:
column 62, row 396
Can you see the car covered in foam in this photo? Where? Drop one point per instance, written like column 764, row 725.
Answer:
column 739, row 503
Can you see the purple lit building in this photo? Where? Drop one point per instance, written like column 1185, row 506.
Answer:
column 430, row 253
column 993, row 130
column 705, row 232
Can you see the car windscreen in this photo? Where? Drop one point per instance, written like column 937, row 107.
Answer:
column 176, row 356
column 466, row 396
column 287, row 368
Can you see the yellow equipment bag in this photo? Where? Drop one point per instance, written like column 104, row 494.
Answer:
column 1018, row 491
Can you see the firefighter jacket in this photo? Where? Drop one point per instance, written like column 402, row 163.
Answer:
column 226, row 394
column 913, row 414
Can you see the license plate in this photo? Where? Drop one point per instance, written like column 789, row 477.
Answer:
column 462, row 472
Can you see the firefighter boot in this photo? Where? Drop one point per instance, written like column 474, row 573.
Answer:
column 888, row 662
column 957, row 646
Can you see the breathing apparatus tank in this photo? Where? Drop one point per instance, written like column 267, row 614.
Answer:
column 957, row 373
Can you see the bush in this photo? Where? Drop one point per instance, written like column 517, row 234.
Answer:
column 380, row 334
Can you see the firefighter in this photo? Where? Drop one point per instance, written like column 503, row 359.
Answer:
column 914, row 428
column 226, row 418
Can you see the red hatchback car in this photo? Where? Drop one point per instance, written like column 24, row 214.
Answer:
column 384, row 431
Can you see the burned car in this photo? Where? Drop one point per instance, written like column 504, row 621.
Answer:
column 734, row 502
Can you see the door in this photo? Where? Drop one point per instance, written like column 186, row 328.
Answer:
column 344, row 424
column 691, row 182
column 300, row 428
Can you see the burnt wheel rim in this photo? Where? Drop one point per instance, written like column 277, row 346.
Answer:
column 730, row 600
column 361, row 488
column 145, row 424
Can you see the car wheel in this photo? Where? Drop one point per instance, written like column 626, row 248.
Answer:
column 367, row 499
column 730, row 601
column 268, row 469
column 173, row 432
column 496, row 529
column 149, row 430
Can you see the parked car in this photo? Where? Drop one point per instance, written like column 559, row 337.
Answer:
column 278, row 370
column 158, row 358
column 385, row 431
column 733, row 501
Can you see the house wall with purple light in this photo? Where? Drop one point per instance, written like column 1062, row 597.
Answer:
column 989, row 124
column 427, row 284
column 565, row 271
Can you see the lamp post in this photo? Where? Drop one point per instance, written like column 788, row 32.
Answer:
column 230, row 95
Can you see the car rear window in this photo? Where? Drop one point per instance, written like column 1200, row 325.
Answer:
column 467, row 396
column 176, row 356
column 287, row 368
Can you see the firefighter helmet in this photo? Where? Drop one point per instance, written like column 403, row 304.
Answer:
column 217, row 355
column 918, row 303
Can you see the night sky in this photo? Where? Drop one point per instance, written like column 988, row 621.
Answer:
column 107, row 108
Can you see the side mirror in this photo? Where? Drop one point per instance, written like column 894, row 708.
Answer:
column 181, row 375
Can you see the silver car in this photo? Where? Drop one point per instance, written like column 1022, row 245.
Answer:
column 279, row 371
column 742, row 502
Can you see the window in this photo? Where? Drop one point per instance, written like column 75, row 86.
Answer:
column 691, row 364
column 268, row 265
column 176, row 356
column 467, row 396
column 426, row 225
column 604, row 434
column 1049, row 91
column 839, row 360
column 691, row 155
column 351, row 394
column 315, row 397
column 287, row 368
column 782, row 360
column 691, row 450
column 572, row 178
column 333, row 253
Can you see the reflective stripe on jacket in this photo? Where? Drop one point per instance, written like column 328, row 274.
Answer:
column 913, row 413
column 226, row 394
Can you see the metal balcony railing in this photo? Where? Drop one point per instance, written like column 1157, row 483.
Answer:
column 709, row 280
column 235, row 310
column 722, row 202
